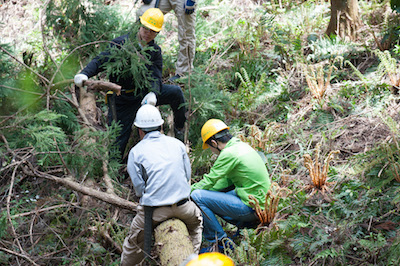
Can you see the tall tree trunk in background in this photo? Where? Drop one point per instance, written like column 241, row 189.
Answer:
column 344, row 19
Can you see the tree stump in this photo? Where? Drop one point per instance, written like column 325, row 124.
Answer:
column 172, row 242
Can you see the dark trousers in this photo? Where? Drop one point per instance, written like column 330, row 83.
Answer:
column 127, row 105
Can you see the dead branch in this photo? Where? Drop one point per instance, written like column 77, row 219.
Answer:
column 106, row 236
column 71, row 184
column 103, row 86
column 41, row 210
column 22, row 63
column 19, row 255
column 8, row 210
column 107, row 179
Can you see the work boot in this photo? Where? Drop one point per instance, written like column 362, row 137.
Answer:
column 173, row 78
column 227, row 244
column 224, row 244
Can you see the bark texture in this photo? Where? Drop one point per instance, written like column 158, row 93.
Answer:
column 173, row 242
column 345, row 20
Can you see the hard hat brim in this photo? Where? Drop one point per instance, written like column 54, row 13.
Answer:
column 150, row 26
column 205, row 146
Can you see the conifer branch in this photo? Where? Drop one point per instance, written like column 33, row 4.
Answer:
column 26, row 66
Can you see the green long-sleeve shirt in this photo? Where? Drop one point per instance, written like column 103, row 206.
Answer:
column 240, row 165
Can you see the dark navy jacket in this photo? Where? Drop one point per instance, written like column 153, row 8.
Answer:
column 97, row 65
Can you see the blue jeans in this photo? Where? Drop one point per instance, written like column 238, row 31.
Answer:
column 226, row 205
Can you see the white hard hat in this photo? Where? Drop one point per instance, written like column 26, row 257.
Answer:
column 148, row 118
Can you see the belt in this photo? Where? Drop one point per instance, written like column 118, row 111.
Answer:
column 179, row 203
column 127, row 91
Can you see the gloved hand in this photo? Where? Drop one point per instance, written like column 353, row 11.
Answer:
column 150, row 98
column 79, row 79
column 147, row 2
column 189, row 6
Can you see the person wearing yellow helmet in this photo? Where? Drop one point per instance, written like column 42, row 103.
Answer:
column 136, row 91
column 238, row 172
column 211, row 259
column 185, row 14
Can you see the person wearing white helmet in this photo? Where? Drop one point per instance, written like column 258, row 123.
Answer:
column 160, row 171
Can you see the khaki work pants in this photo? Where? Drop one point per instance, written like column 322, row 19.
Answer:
column 189, row 213
column 186, row 32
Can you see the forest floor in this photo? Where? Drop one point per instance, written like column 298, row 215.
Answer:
column 354, row 134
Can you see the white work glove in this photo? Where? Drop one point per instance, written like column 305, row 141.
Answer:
column 79, row 79
column 189, row 6
column 150, row 98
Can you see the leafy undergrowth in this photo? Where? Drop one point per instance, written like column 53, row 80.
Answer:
column 272, row 75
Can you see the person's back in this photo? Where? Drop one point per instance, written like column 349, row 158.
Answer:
column 160, row 171
column 167, row 168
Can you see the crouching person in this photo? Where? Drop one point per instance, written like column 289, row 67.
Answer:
column 237, row 173
column 160, row 171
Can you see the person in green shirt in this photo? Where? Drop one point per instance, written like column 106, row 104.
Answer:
column 237, row 173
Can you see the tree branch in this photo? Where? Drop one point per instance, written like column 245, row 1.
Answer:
column 19, row 255
column 71, row 184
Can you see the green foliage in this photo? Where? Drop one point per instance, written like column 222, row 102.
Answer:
column 247, row 93
column 68, row 122
column 393, row 253
column 7, row 67
column 388, row 66
column 280, row 99
column 77, row 23
column 129, row 61
column 8, row 71
column 287, row 34
column 395, row 5
column 40, row 133
column 3, row 224
column 89, row 151
column 329, row 253
column 242, row 64
column 330, row 48
column 205, row 102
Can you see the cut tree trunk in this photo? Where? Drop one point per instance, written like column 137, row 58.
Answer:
column 88, row 104
column 87, row 99
column 173, row 242
column 345, row 20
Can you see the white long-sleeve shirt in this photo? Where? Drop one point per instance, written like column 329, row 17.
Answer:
column 160, row 170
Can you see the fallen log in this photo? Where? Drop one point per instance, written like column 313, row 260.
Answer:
column 172, row 242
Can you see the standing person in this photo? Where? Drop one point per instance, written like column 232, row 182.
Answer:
column 237, row 173
column 132, row 97
column 160, row 171
column 184, row 12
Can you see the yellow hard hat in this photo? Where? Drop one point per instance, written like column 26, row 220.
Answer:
column 210, row 128
column 211, row 259
column 153, row 19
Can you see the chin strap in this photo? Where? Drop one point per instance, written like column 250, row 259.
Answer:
column 215, row 147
